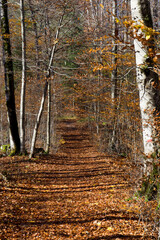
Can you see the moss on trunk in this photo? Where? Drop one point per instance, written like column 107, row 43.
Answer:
column 151, row 184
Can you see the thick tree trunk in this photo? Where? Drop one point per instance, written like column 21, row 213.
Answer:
column 23, row 84
column 8, row 75
column 147, row 79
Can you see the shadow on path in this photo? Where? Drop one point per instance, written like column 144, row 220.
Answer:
column 77, row 193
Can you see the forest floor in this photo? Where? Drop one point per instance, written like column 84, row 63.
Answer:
column 77, row 193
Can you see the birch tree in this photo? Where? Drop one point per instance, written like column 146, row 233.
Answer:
column 9, row 76
column 23, row 84
column 147, row 79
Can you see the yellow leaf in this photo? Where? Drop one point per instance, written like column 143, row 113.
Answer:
column 110, row 229
column 98, row 223
column 101, row 5
column 55, row 41
column 62, row 141
column 148, row 37
column 117, row 20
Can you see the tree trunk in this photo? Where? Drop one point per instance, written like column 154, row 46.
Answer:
column 48, row 117
column 38, row 120
column 44, row 96
column 155, row 15
column 147, row 79
column 114, row 53
column 23, row 84
column 114, row 71
column 49, row 86
column 9, row 76
column 37, row 47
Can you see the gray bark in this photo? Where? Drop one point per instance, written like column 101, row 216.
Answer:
column 147, row 79
column 9, row 76
column 114, row 71
column 37, row 47
column 48, row 117
column 114, row 52
column 44, row 96
column 23, row 82
column 35, row 131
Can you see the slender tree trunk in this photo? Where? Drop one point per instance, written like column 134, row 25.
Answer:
column 48, row 117
column 35, row 131
column 114, row 53
column 114, row 71
column 147, row 79
column 23, row 84
column 44, row 95
column 9, row 76
column 36, row 40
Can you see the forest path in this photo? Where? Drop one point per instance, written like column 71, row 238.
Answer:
column 78, row 193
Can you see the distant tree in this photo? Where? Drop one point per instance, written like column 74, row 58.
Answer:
column 114, row 63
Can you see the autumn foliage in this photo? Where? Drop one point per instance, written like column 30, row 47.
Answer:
column 93, row 84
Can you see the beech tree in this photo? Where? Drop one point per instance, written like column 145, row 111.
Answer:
column 147, row 78
column 9, row 76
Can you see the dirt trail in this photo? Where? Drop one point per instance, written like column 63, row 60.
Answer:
column 78, row 193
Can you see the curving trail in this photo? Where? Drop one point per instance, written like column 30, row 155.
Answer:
column 78, row 193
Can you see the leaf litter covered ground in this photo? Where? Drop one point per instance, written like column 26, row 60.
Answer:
column 77, row 193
